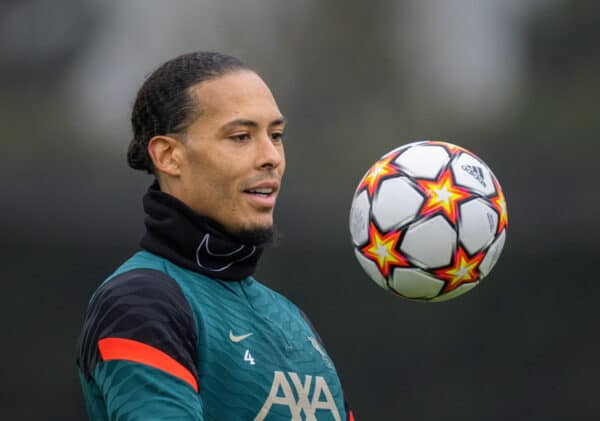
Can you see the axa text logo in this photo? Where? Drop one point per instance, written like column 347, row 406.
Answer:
column 304, row 408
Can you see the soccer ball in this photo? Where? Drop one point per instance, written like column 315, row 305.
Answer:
column 428, row 221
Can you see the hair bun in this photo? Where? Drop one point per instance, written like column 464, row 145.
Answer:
column 137, row 158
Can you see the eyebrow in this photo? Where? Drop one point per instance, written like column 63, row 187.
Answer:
column 251, row 123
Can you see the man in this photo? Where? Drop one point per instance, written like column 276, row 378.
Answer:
column 181, row 330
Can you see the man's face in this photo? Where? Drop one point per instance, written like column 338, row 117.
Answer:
column 233, row 153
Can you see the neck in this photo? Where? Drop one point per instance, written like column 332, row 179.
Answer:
column 191, row 240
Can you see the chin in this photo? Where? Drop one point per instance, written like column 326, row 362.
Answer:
column 259, row 222
column 257, row 234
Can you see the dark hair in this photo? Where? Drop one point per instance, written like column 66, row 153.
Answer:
column 164, row 105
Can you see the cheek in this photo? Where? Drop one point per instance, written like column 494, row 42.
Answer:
column 281, row 168
column 206, row 182
column 220, row 183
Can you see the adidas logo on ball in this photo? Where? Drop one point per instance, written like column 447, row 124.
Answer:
column 476, row 172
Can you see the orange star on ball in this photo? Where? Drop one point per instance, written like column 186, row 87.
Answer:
column 464, row 269
column 443, row 196
column 382, row 250
column 499, row 203
column 380, row 170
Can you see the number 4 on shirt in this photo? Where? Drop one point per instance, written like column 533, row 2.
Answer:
column 248, row 357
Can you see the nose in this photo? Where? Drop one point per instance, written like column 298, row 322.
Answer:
column 269, row 152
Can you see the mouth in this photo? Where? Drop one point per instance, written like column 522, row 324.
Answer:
column 263, row 194
column 261, row 191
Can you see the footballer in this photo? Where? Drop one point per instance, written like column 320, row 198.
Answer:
column 182, row 330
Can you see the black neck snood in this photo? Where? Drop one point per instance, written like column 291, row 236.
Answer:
column 195, row 242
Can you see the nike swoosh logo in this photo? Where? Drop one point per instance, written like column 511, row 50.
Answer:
column 220, row 261
column 238, row 338
column 316, row 346
column 320, row 350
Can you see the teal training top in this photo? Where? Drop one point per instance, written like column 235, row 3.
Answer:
column 161, row 342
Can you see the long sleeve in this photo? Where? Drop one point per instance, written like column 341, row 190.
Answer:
column 137, row 351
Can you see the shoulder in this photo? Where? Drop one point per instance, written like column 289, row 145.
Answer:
column 141, row 260
column 141, row 305
column 152, row 286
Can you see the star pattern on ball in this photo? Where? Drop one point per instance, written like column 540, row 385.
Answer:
column 382, row 250
column 443, row 196
column 452, row 149
column 379, row 171
column 463, row 270
column 499, row 203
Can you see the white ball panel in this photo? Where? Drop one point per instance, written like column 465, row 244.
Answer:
column 492, row 255
column 423, row 160
column 477, row 225
column 359, row 219
column 414, row 283
column 472, row 173
column 456, row 292
column 371, row 268
column 395, row 203
column 430, row 243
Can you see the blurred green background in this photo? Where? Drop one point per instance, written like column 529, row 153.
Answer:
column 515, row 81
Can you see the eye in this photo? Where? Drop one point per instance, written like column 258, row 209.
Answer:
column 242, row 137
column 277, row 136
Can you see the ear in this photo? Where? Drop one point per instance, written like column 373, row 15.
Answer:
column 165, row 154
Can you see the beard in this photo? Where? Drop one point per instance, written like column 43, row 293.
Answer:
column 259, row 236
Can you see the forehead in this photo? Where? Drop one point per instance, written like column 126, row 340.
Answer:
column 239, row 94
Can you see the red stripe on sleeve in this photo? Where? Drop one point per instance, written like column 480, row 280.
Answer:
column 138, row 352
column 350, row 416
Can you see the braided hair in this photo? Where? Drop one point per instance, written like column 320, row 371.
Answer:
column 163, row 104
